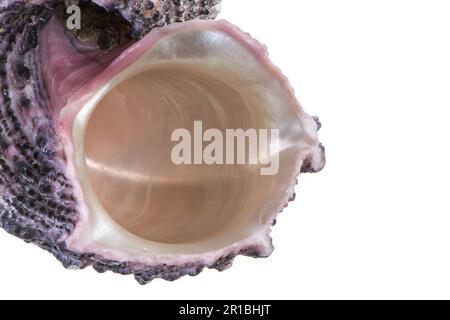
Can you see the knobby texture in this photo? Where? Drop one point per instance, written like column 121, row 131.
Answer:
column 37, row 203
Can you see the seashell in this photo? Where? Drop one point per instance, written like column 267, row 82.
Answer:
column 153, row 141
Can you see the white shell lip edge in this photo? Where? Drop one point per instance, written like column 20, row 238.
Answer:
column 83, row 103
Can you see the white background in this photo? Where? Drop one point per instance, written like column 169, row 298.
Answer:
column 376, row 222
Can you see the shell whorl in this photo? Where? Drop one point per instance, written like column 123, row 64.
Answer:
column 37, row 202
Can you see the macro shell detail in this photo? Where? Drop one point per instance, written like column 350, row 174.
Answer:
column 37, row 199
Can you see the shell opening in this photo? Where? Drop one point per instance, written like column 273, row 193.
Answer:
column 123, row 145
column 128, row 156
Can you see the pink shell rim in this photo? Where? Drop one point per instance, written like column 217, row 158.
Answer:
column 136, row 51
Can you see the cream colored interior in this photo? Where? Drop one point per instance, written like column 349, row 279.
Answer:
column 128, row 148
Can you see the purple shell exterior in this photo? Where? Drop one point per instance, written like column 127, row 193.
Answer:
column 37, row 202
column 36, row 199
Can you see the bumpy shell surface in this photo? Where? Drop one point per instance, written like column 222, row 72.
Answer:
column 37, row 201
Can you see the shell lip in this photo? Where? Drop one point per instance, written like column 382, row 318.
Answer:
column 93, row 91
